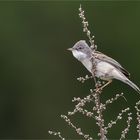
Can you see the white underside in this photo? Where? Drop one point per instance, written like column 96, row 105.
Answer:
column 78, row 55
column 103, row 70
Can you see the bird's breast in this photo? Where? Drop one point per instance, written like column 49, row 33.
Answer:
column 88, row 64
column 79, row 55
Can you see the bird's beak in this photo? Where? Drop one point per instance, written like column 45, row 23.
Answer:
column 70, row 49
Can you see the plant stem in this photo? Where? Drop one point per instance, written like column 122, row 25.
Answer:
column 100, row 119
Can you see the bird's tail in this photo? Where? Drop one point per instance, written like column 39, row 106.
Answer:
column 135, row 87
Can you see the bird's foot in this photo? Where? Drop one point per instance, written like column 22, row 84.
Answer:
column 98, row 90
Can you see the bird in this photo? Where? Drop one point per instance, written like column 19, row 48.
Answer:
column 101, row 65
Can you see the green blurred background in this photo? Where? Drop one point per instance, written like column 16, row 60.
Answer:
column 38, row 76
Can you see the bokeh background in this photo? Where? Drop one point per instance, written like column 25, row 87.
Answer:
column 38, row 75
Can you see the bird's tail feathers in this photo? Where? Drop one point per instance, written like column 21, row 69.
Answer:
column 135, row 87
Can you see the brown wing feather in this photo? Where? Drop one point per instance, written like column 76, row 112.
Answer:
column 113, row 62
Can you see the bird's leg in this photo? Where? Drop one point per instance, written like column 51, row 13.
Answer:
column 106, row 84
column 101, row 88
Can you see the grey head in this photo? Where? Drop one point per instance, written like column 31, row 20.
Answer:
column 81, row 50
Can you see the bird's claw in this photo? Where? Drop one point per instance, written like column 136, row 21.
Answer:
column 98, row 89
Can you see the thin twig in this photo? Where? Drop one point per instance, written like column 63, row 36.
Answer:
column 56, row 134
column 85, row 28
column 126, row 130
column 119, row 117
column 78, row 130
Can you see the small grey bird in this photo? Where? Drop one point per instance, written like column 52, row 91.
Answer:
column 101, row 65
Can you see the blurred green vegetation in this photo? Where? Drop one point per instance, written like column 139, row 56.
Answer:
column 38, row 76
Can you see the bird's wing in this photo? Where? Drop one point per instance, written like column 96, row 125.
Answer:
column 110, row 60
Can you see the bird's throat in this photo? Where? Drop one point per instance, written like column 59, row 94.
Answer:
column 88, row 64
column 79, row 55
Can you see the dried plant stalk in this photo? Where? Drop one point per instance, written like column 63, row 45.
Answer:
column 138, row 118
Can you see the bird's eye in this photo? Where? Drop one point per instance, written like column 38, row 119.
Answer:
column 80, row 48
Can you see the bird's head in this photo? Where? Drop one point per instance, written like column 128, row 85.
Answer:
column 81, row 50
